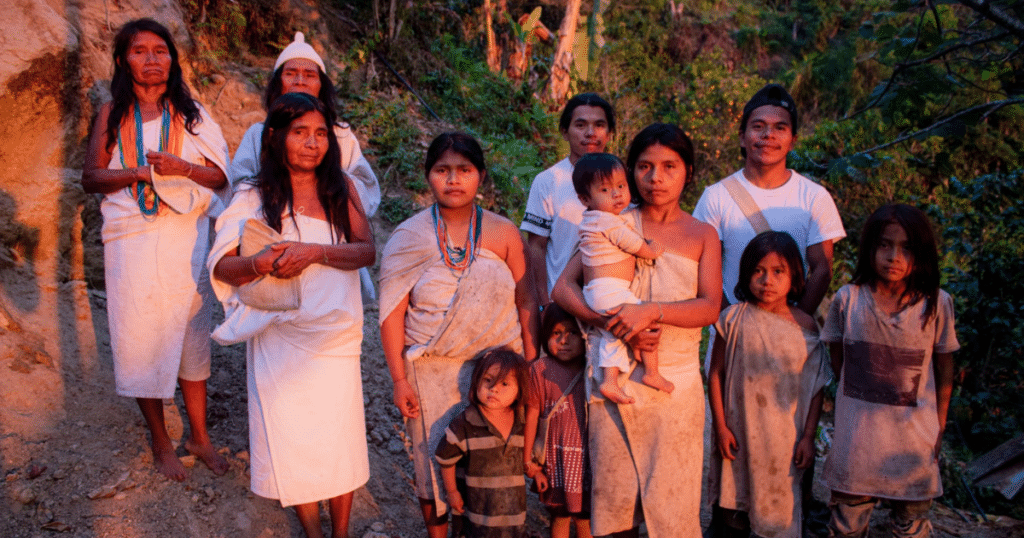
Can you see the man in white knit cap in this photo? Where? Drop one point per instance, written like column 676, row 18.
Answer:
column 300, row 69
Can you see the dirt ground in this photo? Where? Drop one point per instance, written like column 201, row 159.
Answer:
column 95, row 478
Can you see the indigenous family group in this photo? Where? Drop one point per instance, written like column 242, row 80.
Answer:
column 598, row 396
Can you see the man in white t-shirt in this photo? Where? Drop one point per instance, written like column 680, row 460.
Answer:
column 553, row 210
column 789, row 201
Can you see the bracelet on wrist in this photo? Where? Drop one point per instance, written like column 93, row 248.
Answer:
column 252, row 261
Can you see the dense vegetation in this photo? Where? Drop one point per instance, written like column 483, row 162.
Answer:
column 913, row 101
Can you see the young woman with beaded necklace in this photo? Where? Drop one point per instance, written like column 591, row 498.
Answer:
column 153, row 254
column 453, row 283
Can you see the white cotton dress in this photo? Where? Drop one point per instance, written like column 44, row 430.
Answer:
column 307, row 431
column 156, row 279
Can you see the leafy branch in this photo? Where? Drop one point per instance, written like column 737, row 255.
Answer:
column 995, row 14
column 989, row 108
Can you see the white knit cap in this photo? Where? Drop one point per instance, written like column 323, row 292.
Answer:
column 299, row 49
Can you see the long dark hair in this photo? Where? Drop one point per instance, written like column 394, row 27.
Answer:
column 765, row 243
column 460, row 143
column 923, row 281
column 273, row 179
column 668, row 135
column 121, row 84
column 326, row 95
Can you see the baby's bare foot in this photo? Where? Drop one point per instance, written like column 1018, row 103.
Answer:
column 167, row 463
column 658, row 382
column 209, row 456
column 611, row 390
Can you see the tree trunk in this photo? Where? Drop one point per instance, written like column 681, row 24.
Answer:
column 561, row 67
column 493, row 50
column 519, row 60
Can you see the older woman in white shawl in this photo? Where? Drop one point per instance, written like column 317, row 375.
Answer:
column 159, row 160
column 300, row 69
column 307, row 433
column 452, row 284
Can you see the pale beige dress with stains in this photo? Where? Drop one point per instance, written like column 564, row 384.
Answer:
column 773, row 369
column 647, row 456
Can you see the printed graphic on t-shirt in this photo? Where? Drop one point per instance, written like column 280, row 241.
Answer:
column 537, row 221
column 882, row 374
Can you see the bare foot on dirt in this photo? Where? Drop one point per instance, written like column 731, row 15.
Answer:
column 610, row 389
column 167, row 462
column 209, row 456
column 658, row 382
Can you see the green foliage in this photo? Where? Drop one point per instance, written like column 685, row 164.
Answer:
column 393, row 140
column 396, row 209
column 469, row 93
column 865, row 73
column 513, row 126
column 513, row 163
column 709, row 109
column 229, row 28
column 982, row 223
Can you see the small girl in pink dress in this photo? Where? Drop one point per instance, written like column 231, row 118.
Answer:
column 564, row 479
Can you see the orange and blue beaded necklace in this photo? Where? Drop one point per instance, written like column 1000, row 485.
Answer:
column 144, row 191
column 457, row 258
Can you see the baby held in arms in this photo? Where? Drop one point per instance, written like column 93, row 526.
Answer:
column 609, row 245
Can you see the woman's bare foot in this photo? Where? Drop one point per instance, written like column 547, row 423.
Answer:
column 167, row 462
column 656, row 381
column 610, row 389
column 209, row 456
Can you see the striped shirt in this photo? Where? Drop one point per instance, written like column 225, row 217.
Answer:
column 490, row 474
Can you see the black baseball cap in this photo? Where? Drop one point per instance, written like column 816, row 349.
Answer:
column 772, row 94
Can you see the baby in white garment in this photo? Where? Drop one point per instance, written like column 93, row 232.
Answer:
column 609, row 245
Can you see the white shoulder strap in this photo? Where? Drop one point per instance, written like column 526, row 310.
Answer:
column 746, row 204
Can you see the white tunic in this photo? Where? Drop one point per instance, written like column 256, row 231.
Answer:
column 647, row 456
column 156, row 276
column 246, row 164
column 307, row 432
column 886, row 417
column 800, row 207
column 553, row 210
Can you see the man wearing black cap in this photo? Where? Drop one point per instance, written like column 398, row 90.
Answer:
column 764, row 194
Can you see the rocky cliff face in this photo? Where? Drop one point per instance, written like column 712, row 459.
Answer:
column 55, row 72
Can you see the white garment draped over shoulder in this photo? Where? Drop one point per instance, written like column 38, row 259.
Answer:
column 307, row 431
column 155, row 273
column 452, row 315
column 246, row 165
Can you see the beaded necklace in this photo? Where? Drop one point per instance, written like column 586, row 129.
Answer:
column 457, row 258
column 144, row 191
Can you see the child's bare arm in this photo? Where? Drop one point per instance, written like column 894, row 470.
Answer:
column 529, row 436
column 724, row 439
column 650, row 250
column 943, row 364
column 804, row 454
column 454, row 497
column 542, row 481
column 835, row 355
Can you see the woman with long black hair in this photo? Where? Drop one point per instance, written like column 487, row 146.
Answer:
column 307, row 433
column 159, row 160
